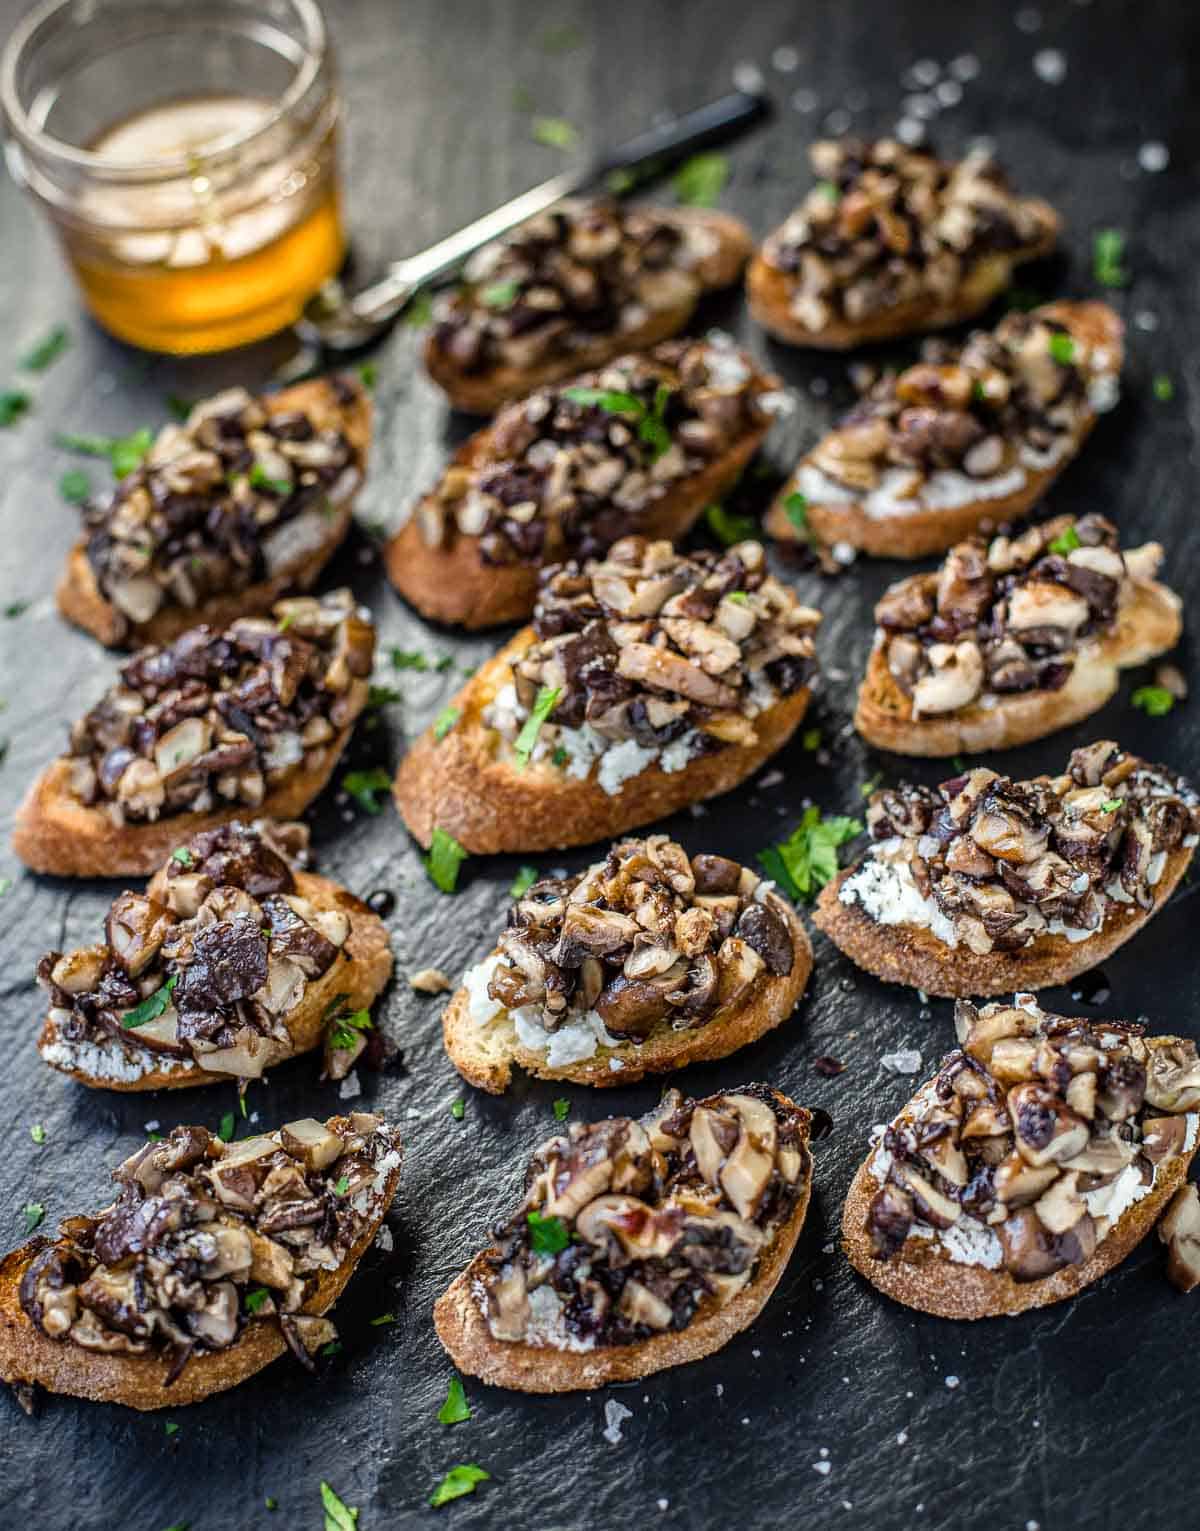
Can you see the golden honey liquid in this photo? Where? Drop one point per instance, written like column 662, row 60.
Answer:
column 201, row 274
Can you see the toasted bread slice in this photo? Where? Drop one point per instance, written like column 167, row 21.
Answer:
column 482, row 393
column 1147, row 624
column 358, row 975
column 463, row 1327
column 469, row 785
column 452, row 581
column 926, row 528
column 79, row 596
column 27, row 1355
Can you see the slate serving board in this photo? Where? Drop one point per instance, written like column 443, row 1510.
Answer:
column 838, row 1406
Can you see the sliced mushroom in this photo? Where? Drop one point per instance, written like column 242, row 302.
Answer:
column 747, row 1171
column 1046, row 1129
column 1180, row 1232
column 641, row 1306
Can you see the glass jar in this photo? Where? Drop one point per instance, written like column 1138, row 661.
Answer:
column 186, row 153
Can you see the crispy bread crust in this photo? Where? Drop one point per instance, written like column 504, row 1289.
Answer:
column 911, row 955
column 1147, row 625
column 925, row 1281
column 769, row 293
column 56, row 833
column 463, row 1331
column 485, row 1055
column 78, row 595
column 453, row 584
column 483, row 393
column 459, row 784
column 28, row 1355
column 363, row 966
column 919, row 533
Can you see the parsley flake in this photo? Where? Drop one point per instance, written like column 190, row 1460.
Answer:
column 383, row 696
column 868, row 787
column 649, row 419
column 1154, row 701
column 828, row 189
column 256, row 1299
column 544, row 704
column 554, row 132
column 178, row 408
column 408, row 659
column 738, row 597
column 547, row 1235
column 456, row 1408
column 38, row 1133
column 152, row 1006
column 368, row 375
column 1112, row 805
column 16, row 609
column 13, row 404
column 170, row 1428
column 523, row 881
column 419, row 310
column 383, row 1319
column 807, row 859
column 225, row 1130
column 559, row 757
column 74, row 486
column 810, row 739
column 1164, row 388
column 1108, row 251
column 1066, row 542
column 445, row 857
column 182, row 855
column 1062, row 348
column 499, row 294
column 342, row 1035
column 261, row 479
column 364, row 787
column 271, row 1502
column 728, row 528
column 458, row 1110
column 795, row 507
column 700, row 180
column 47, row 351
column 562, row 1110
column 458, row 1481
column 341, row 1185
column 338, row 1516
column 445, row 721
column 34, row 1212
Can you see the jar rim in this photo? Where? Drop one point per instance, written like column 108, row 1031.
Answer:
column 39, row 142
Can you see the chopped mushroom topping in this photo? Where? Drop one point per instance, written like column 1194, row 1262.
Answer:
column 1180, row 1232
column 657, row 655
column 207, row 965
column 1010, row 615
column 632, row 1227
column 563, row 477
column 644, row 938
column 1035, row 1137
column 206, row 1239
column 995, row 863
column 566, row 278
column 236, row 494
column 888, row 225
column 222, row 717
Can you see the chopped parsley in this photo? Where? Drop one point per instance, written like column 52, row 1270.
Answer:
column 1112, row 805
column 807, row 859
column 34, row 1212
column 368, row 375
column 408, row 659
column 456, row 1408
column 562, row 1110
column 333, row 1348
column 810, row 739
column 124, row 453
column 649, row 420
column 170, row 1427
column 256, row 1299
column 499, row 294
column 261, row 479
column 1062, row 348
column 1155, row 701
column 828, row 189
column 364, row 787
column 419, row 310
column 738, row 597
column 559, row 757
column 445, row 857
column 727, row 527
column 341, row 1185
column 338, row 1516
column 342, row 1034
column 182, row 855
column 38, row 1133
column 1108, row 251
column 74, row 486
column 458, row 1110
column 271, row 1502
column 47, row 351
column 554, row 132
column 446, row 662
column 179, row 409
column 225, row 1130
column 382, row 1319
column 700, row 180
column 547, row 1235
column 13, row 404
column 458, row 1481
column 383, row 696
column 544, row 705
column 795, row 508
column 445, row 721
column 523, row 881
column 1164, row 388
column 1065, row 542
column 16, row 609
column 870, row 786
column 152, row 1006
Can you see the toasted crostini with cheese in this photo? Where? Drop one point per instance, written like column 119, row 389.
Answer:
column 1013, row 640
column 684, row 1219
column 986, row 885
column 1042, row 1151
column 647, row 961
column 575, row 288
column 890, row 241
column 234, row 959
column 217, row 725
column 967, row 440
column 648, row 681
column 212, row 1261
column 643, row 446
column 245, row 500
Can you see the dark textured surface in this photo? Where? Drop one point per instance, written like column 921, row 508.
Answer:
column 1079, row 1416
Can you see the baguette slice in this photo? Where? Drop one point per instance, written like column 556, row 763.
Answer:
column 921, row 1275
column 485, row 1054
column 928, row 528
column 912, row 955
column 444, row 571
column 1147, row 623
column 81, row 601
column 27, row 1355
column 56, row 832
column 483, row 392
column 464, row 1330
column 358, row 974
column 468, row 783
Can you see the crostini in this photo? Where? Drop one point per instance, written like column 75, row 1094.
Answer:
column 573, row 289
column 643, row 445
column 987, row 885
column 1012, row 640
column 233, row 960
column 890, row 241
column 639, row 1244
column 212, row 1261
column 245, row 500
column 1040, row 1154
column 645, row 962
column 647, row 681
column 967, row 440
column 211, row 727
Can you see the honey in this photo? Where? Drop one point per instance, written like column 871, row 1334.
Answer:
column 204, row 269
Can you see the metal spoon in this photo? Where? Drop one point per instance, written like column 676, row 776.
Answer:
column 338, row 321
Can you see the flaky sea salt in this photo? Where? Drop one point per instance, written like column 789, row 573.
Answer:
column 615, row 1414
column 906, row 1060
column 1050, row 65
column 1154, row 156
